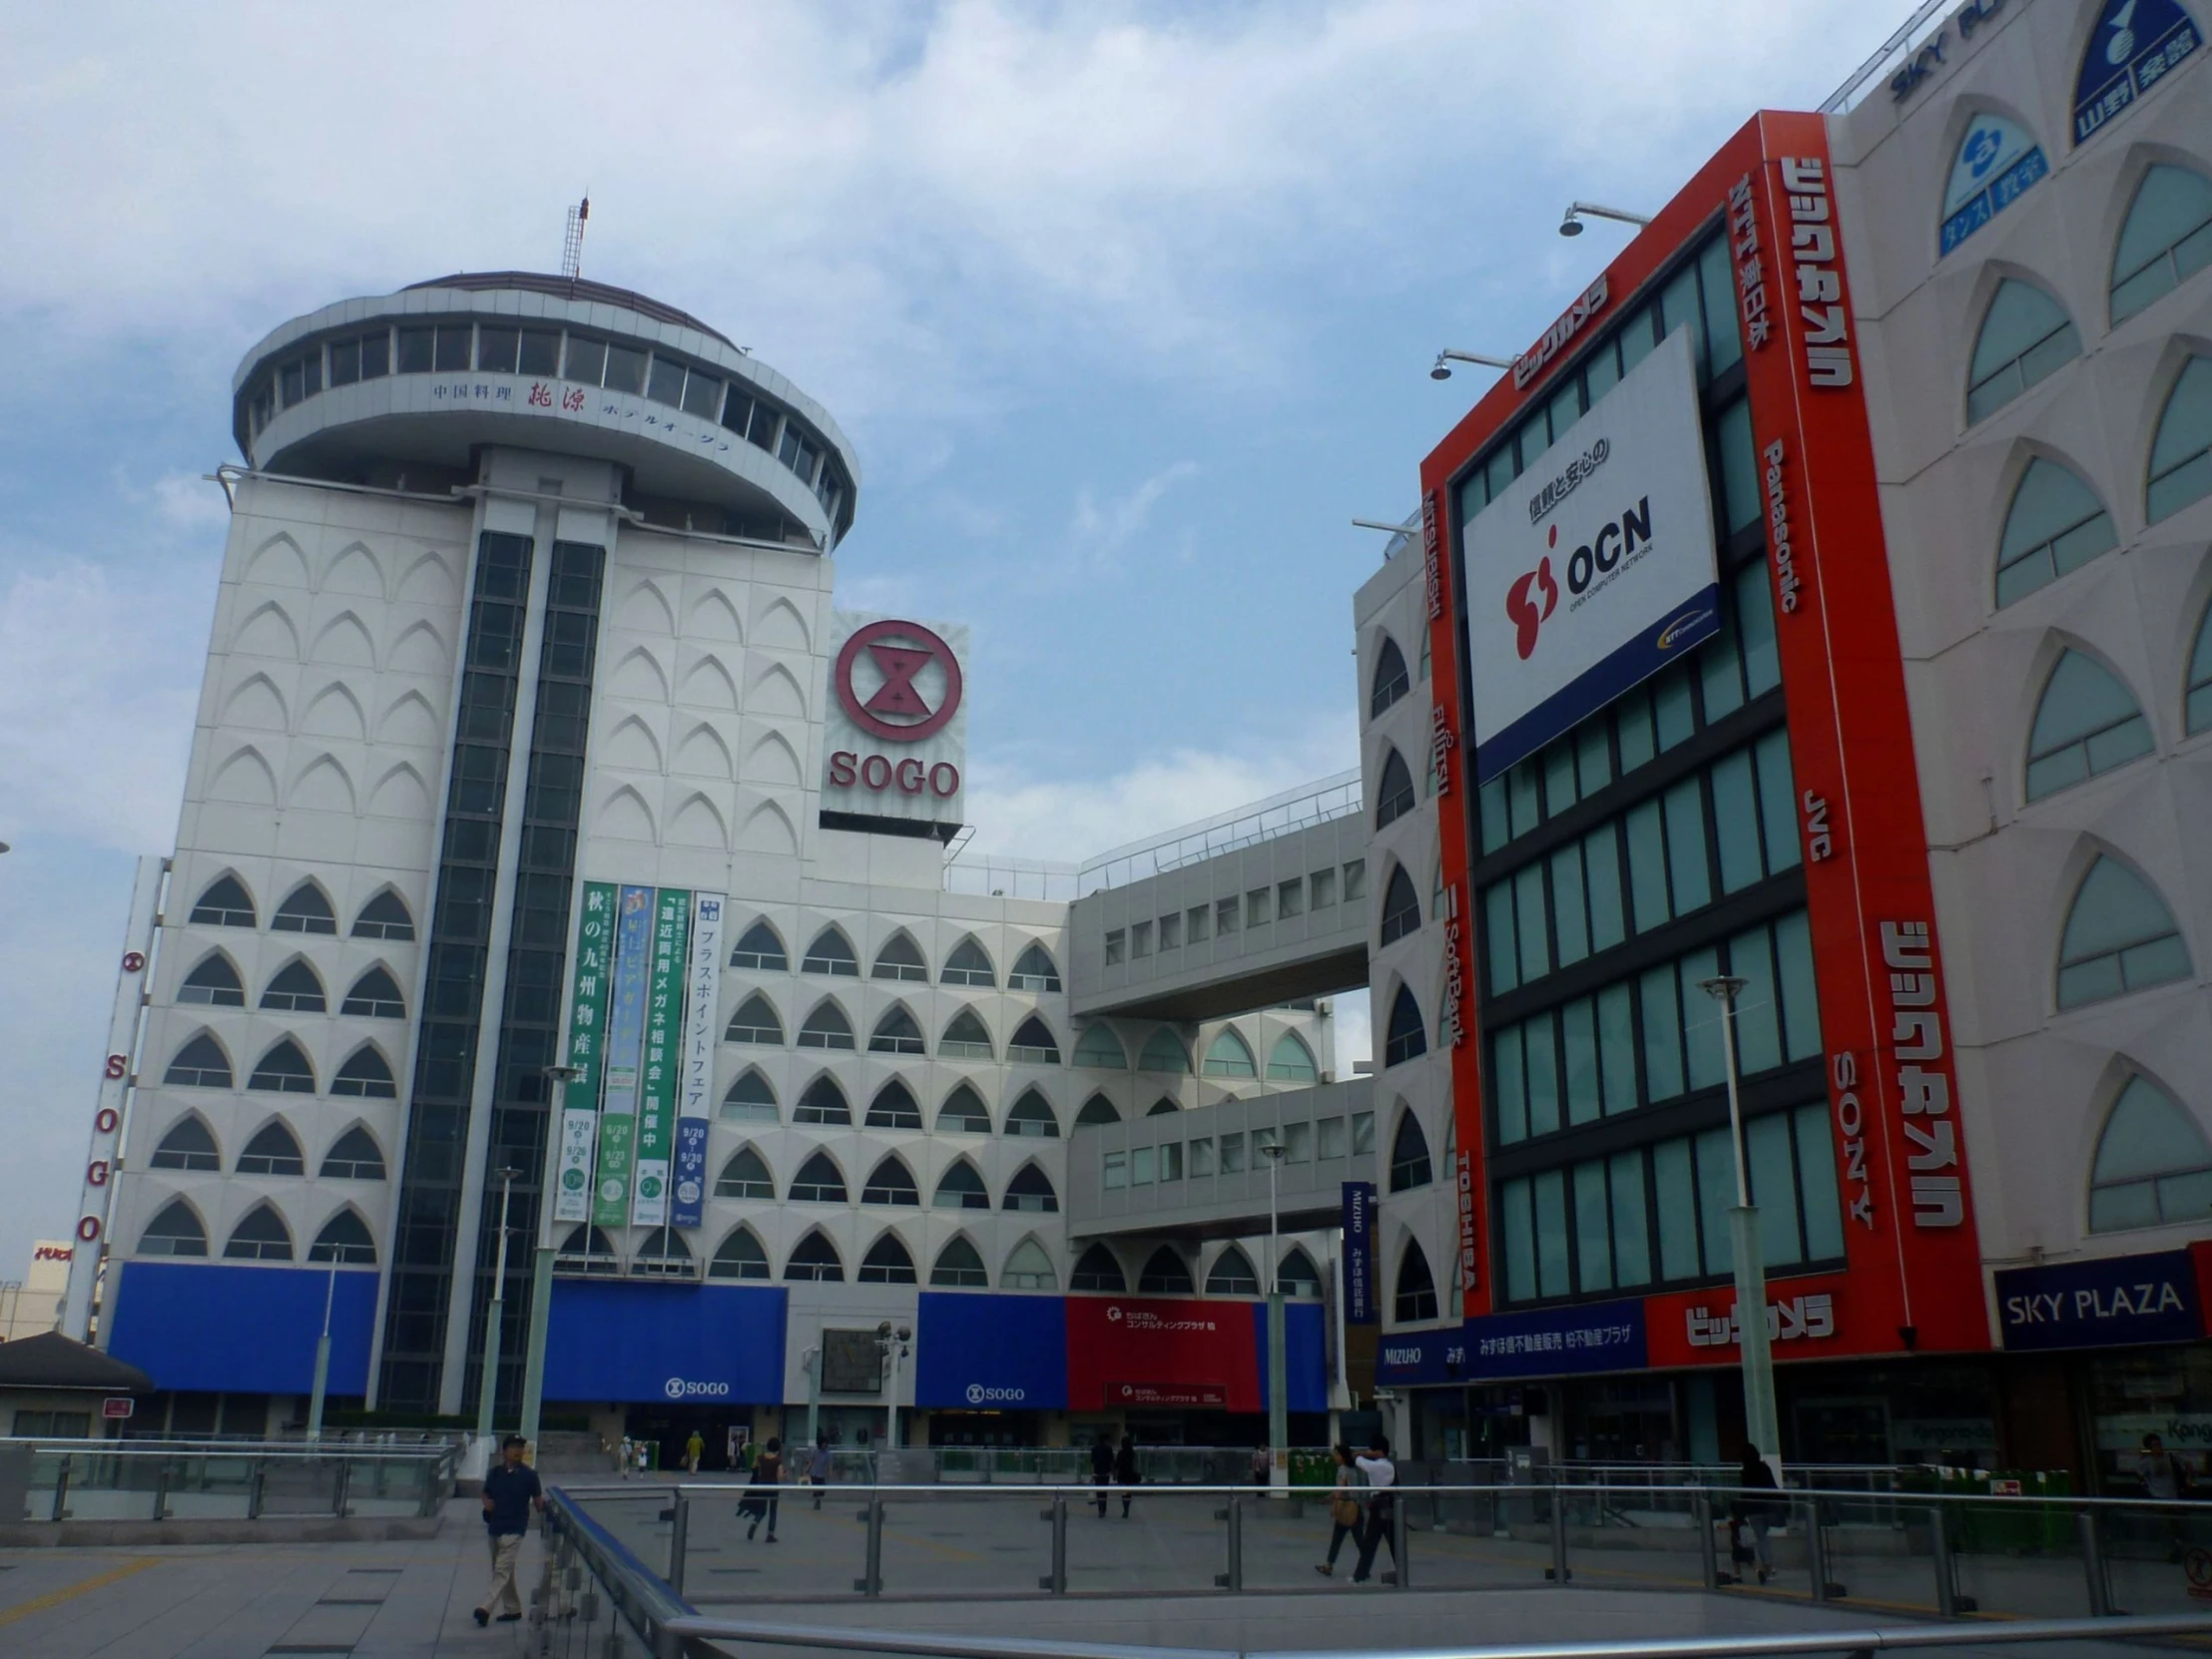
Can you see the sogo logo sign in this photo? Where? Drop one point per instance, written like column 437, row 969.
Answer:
column 978, row 1395
column 681, row 1388
column 899, row 682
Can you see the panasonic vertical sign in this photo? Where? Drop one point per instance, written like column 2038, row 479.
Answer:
column 1595, row 568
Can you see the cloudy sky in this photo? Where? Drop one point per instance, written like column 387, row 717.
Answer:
column 1127, row 308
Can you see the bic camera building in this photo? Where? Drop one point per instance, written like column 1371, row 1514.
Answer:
column 1820, row 603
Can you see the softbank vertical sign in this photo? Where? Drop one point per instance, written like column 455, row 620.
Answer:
column 896, row 740
column 1594, row 569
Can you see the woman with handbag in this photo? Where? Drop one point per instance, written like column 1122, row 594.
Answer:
column 1344, row 1509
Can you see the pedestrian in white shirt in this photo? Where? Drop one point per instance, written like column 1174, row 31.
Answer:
column 1381, row 1479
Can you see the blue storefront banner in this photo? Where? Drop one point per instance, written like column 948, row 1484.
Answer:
column 2104, row 1303
column 695, row 1344
column 206, row 1327
column 689, row 1188
column 1409, row 1359
column 990, row 1353
column 1358, row 1221
column 2135, row 44
column 1305, row 1362
column 1546, row 1342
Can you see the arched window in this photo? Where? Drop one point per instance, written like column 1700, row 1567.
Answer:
column 384, row 917
column 1290, row 1061
column 959, row 1267
column 1407, row 1038
column 261, row 1237
column 364, row 1073
column 187, row 1146
column 306, row 910
column 1393, row 796
column 353, row 1155
column 740, row 1255
column 375, row 995
column 751, row 1099
column 1164, row 1275
column 965, row 1039
column 814, row 1257
column 2168, row 238
column 763, row 949
column 969, row 965
column 822, row 1101
column 895, row 1034
column 826, row 1027
column 817, row 1182
column 893, row 1183
column 586, row 1250
column 754, row 1021
column 832, row 952
column 2181, row 453
column 1034, row 972
column 1028, row 1268
column 744, row 1176
column 1401, row 906
column 1299, row 1276
column 1228, row 1055
column 2153, row 1165
column 2054, row 527
column 1033, row 1044
column 199, row 1064
column 1416, row 1287
column 964, row 1113
column 1163, row 1051
column 272, row 1151
column 295, row 990
column 1031, row 1192
column 887, row 1261
column 1232, row 1274
column 2199, row 701
column 663, row 1252
column 1409, row 1155
column 2025, row 334
column 225, row 903
column 344, row 1241
column 214, row 983
column 283, row 1070
column 1100, row 1049
column 1033, row 1117
column 1997, row 160
column 901, row 958
column 1391, row 681
column 1165, row 1106
column 1096, row 1110
column 961, row 1188
column 177, row 1232
column 1096, row 1270
column 894, row 1108
column 2119, row 938
column 2086, row 722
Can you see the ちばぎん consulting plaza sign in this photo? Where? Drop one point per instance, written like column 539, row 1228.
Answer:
column 897, row 738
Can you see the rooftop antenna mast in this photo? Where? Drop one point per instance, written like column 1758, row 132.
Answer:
column 572, row 244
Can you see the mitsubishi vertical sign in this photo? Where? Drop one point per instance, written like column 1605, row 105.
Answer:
column 1595, row 568
column 896, row 740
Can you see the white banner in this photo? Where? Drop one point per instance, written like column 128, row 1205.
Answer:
column 1595, row 568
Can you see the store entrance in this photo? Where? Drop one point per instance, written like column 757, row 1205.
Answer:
column 1843, row 1432
column 667, row 1431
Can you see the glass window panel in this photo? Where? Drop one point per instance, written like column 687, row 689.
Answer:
column 1298, row 1143
column 1560, row 790
column 1362, row 1133
column 1601, row 370
column 1716, row 1195
column 415, row 351
column 1758, row 1019
column 1328, row 1143
column 2180, row 468
column 625, row 369
column 1565, row 408
column 1141, row 1162
column 1739, row 467
column 587, row 361
column 1578, row 1042
column 1631, row 1226
column 1723, row 344
column 1500, row 469
column 1647, row 866
column 1518, row 1223
column 2164, row 240
column 1496, row 826
column 346, row 361
column 1504, row 945
column 1637, row 336
column 2024, row 336
column 1778, row 804
column 1670, row 702
column 1601, row 860
column 1632, row 719
column 1678, row 308
column 1549, row 1189
column 541, row 350
column 1701, row 1021
column 496, row 348
column 1533, row 439
column 1509, row 1082
column 1115, row 1169
column 1662, row 1017
column 1593, row 757
column 1540, row 1037
column 1529, row 910
column 1201, row 1156
column 452, row 346
column 1616, row 1043
column 1816, row 1200
column 1801, row 1007
column 1521, row 784
column 1674, row 1187
column 1593, row 1246
column 1736, row 821
column 664, row 383
column 1721, row 674
column 1686, row 856
column 1232, row 1154
column 1568, row 917
column 1773, row 1188
column 701, row 396
column 1171, row 1160
column 1755, row 623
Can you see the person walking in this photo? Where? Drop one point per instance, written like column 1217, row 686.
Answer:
column 1752, row 1510
column 1262, row 1465
column 760, row 1501
column 1102, row 1467
column 511, row 1490
column 818, row 1465
column 1343, row 1511
column 629, row 1453
column 2166, row 1480
column 694, row 1449
column 1125, row 1472
column 1377, row 1528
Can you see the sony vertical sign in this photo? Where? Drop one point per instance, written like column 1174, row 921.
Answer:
column 896, row 743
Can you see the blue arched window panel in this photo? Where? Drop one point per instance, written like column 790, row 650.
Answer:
column 2134, row 46
column 2086, row 722
column 2168, row 238
column 1996, row 161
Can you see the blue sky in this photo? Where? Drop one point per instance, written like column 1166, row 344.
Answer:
column 1128, row 309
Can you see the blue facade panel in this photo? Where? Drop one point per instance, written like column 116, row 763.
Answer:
column 207, row 1325
column 1306, row 1358
column 636, row 1341
column 990, row 1353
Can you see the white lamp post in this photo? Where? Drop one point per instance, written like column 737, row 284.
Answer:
column 1759, row 1424
column 541, row 1269
column 488, row 1384
column 1278, row 1408
column 1572, row 225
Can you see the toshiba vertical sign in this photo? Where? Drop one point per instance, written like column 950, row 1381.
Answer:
column 895, row 745
column 1593, row 569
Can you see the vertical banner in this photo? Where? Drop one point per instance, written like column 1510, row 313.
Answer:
column 664, row 1013
column 695, row 1084
column 587, row 1036
column 618, row 1118
column 1360, row 1253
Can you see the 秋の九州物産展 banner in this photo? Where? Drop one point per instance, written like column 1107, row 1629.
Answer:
column 589, row 987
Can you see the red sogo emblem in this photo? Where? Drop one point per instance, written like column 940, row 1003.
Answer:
column 897, row 709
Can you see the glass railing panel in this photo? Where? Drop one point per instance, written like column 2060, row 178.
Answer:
column 2148, row 1556
column 1169, row 1542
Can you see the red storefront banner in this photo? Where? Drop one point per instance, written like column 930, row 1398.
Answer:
column 1913, row 1265
column 1178, row 1347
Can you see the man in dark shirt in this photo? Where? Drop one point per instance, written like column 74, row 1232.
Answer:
column 510, row 1491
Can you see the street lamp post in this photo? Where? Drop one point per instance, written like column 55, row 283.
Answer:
column 894, row 1349
column 1441, row 369
column 541, row 1269
column 1278, row 1414
column 488, row 1385
column 323, row 1359
column 1571, row 224
column 1760, row 1426
column 811, row 1361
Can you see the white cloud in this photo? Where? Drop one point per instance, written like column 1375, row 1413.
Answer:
column 191, row 503
column 1098, row 533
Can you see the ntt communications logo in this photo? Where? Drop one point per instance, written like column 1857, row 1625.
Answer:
column 683, row 1388
column 977, row 1394
column 1534, row 595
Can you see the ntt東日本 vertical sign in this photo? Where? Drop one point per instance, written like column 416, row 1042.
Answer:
column 664, row 1013
column 1359, row 1222
column 694, row 1081
column 618, row 1118
column 587, row 1037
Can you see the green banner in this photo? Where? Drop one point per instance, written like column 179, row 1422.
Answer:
column 590, row 984
column 664, row 1022
column 624, row 1041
